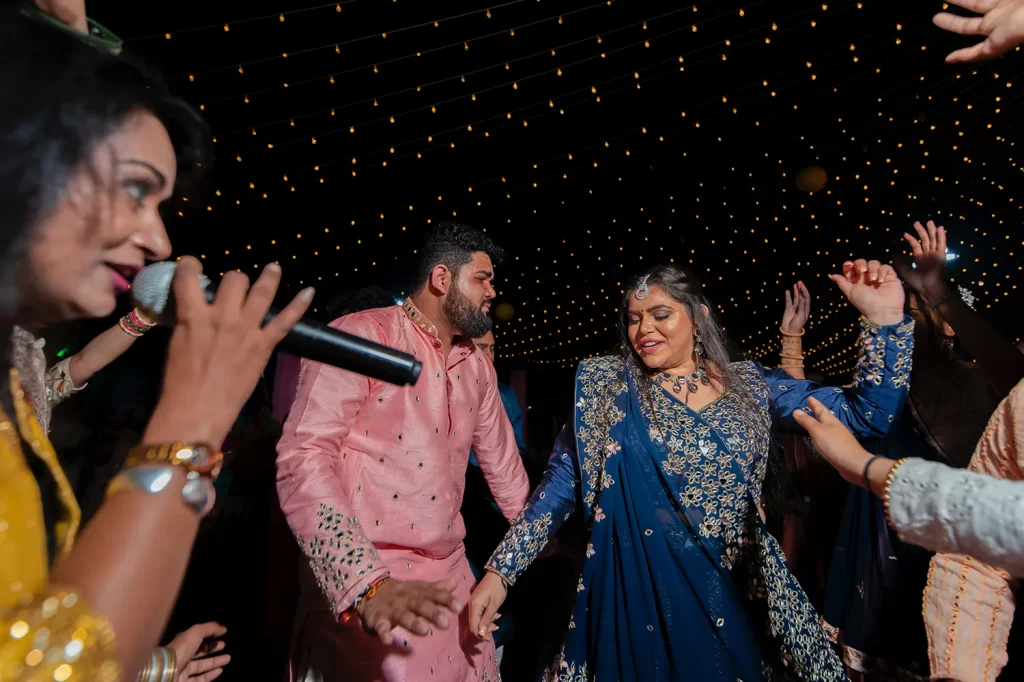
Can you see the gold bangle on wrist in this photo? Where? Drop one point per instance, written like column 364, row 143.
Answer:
column 170, row 661
column 504, row 581
column 888, row 484
column 162, row 666
column 788, row 334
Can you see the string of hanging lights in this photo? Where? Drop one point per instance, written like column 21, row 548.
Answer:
column 226, row 25
column 730, row 223
column 467, row 127
column 502, row 64
column 335, row 46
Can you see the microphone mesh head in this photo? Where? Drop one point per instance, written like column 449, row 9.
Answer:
column 151, row 291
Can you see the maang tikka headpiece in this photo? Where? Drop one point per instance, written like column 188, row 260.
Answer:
column 642, row 290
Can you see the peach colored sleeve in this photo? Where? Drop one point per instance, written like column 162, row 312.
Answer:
column 969, row 605
column 494, row 442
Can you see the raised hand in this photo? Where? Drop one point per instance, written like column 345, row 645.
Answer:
column 192, row 646
column 874, row 289
column 798, row 309
column 1002, row 24
column 488, row 596
column 71, row 12
column 217, row 353
column 412, row 605
column 929, row 249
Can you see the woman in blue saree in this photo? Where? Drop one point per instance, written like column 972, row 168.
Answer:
column 665, row 457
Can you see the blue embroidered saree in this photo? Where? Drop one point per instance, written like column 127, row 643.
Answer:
column 681, row 580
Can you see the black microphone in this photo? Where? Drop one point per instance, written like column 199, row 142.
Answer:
column 152, row 292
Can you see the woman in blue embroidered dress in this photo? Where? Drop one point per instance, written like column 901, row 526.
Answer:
column 665, row 457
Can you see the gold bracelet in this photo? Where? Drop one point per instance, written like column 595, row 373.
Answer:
column 152, row 671
column 170, row 663
column 785, row 333
column 504, row 581
column 887, row 484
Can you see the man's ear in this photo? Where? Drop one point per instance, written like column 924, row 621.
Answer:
column 441, row 278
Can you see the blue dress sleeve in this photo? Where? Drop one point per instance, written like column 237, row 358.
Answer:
column 877, row 395
column 552, row 503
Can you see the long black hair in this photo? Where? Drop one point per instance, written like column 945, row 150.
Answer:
column 59, row 99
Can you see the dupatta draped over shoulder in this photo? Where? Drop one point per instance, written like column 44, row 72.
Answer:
column 681, row 578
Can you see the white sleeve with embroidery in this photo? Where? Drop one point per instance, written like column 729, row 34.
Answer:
column 963, row 512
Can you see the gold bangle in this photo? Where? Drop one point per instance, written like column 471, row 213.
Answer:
column 148, row 672
column 170, row 662
column 785, row 333
column 887, row 484
column 504, row 580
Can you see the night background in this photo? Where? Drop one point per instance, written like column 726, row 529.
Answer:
column 757, row 143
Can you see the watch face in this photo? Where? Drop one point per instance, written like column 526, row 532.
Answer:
column 193, row 455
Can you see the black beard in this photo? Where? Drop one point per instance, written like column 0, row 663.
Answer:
column 472, row 322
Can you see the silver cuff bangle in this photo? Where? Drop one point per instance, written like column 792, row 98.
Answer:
column 198, row 491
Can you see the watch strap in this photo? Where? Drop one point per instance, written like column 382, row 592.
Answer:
column 191, row 456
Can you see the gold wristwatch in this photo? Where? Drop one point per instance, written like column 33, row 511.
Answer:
column 191, row 456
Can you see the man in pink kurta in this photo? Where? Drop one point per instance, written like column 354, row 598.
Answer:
column 371, row 478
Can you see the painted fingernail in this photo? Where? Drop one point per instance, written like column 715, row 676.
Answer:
column 456, row 606
column 307, row 294
column 273, row 267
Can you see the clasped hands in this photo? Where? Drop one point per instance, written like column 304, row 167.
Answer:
column 413, row 605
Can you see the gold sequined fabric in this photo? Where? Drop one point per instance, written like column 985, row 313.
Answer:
column 47, row 632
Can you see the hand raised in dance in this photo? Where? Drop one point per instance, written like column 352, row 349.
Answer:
column 71, row 12
column 838, row 446
column 192, row 646
column 412, row 605
column 929, row 248
column 798, row 309
column 1002, row 24
column 488, row 596
column 874, row 289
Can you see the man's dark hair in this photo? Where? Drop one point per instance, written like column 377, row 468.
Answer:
column 356, row 301
column 453, row 245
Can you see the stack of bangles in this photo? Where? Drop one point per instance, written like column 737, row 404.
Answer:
column 134, row 324
column 162, row 667
column 792, row 350
column 368, row 593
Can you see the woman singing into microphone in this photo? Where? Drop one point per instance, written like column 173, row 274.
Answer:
column 89, row 148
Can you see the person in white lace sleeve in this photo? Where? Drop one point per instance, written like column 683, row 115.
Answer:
column 975, row 518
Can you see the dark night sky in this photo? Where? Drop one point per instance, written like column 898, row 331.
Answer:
column 593, row 139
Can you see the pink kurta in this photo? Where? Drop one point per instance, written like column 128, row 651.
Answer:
column 371, row 478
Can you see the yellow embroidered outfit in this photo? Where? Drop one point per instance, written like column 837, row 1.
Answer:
column 46, row 631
